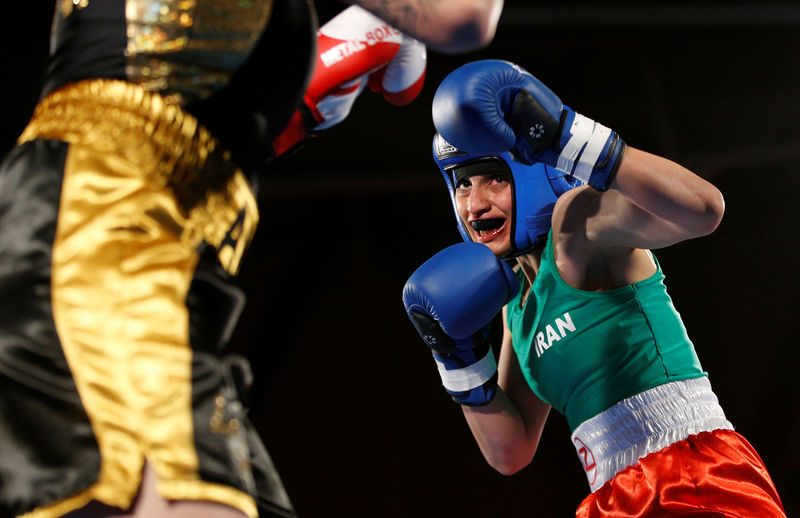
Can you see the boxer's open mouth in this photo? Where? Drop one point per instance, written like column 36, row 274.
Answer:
column 487, row 227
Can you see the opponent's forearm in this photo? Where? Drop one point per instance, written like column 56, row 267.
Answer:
column 669, row 191
column 449, row 26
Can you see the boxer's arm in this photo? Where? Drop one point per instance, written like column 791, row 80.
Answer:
column 652, row 203
column 508, row 429
column 449, row 26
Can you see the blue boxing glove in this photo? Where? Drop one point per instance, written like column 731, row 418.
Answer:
column 451, row 300
column 490, row 106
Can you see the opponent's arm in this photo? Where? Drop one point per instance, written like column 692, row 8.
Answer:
column 508, row 429
column 449, row 26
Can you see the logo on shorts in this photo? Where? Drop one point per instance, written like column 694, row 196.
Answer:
column 587, row 459
column 233, row 244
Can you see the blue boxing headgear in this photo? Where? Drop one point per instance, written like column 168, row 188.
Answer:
column 534, row 188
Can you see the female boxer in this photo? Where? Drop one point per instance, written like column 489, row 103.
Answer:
column 589, row 327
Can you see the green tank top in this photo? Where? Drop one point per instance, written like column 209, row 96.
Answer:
column 583, row 351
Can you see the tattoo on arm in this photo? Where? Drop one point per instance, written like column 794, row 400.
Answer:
column 402, row 14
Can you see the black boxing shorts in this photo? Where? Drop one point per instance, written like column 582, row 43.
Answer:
column 121, row 221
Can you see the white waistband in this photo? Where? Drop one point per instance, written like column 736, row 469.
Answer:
column 645, row 423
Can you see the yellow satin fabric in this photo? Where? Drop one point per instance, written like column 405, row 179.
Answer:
column 170, row 150
column 134, row 208
column 709, row 474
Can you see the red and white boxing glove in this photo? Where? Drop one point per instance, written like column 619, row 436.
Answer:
column 355, row 49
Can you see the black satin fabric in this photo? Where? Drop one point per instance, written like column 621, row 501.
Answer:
column 229, row 450
column 248, row 113
column 90, row 43
column 215, row 303
column 47, row 448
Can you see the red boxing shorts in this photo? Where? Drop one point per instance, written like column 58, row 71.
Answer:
column 714, row 473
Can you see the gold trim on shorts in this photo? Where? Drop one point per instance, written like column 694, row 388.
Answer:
column 170, row 149
column 144, row 184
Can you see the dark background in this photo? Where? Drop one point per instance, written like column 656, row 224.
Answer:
column 347, row 397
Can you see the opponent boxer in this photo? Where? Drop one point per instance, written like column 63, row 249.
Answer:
column 589, row 328
column 124, row 211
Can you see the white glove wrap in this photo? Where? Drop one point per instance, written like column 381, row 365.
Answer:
column 587, row 140
column 469, row 377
